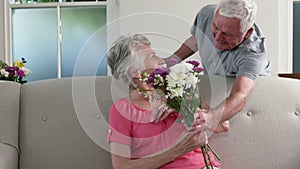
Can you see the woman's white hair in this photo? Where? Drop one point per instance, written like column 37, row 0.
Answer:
column 245, row 10
column 122, row 56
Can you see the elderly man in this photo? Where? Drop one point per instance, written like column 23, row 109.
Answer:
column 229, row 44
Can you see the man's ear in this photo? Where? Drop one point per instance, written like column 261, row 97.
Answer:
column 248, row 33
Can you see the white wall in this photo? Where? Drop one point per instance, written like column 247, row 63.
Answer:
column 168, row 23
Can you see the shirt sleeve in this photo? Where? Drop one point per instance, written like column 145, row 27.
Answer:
column 252, row 66
column 119, row 127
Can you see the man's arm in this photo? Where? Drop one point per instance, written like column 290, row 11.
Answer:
column 188, row 48
column 240, row 91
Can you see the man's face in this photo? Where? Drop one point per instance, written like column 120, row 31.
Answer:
column 226, row 32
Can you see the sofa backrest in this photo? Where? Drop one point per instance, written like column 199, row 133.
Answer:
column 266, row 133
column 63, row 123
column 55, row 132
column 9, row 124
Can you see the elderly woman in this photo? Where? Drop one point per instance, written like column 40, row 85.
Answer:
column 135, row 140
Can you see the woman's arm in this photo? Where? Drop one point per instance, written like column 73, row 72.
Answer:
column 120, row 153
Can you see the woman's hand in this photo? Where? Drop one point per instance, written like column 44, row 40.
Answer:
column 161, row 113
column 191, row 140
column 195, row 137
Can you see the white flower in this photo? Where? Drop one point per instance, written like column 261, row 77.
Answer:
column 4, row 73
column 26, row 71
column 182, row 68
column 172, row 81
column 191, row 81
column 179, row 72
column 181, row 76
column 176, row 92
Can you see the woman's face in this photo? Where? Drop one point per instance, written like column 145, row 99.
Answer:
column 150, row 59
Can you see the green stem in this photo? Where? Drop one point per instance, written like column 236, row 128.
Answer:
column 204, row 156
column 208, row 157
column 200, row 103
column 214, row 152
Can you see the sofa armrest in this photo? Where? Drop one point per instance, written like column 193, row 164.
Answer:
column 8, row 157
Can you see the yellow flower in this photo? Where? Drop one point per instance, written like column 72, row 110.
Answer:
column 19, row 64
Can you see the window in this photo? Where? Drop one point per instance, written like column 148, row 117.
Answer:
column 48, row 1
column 296, row 38
column 60, row 39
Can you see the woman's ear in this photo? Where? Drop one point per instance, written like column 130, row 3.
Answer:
column 133, row 73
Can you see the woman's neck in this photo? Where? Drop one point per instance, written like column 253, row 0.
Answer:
column 139, row 99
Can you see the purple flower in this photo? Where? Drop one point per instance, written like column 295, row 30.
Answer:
column 20, row 73
column 198, row 69
column 193, row 62
column 163, row 72
column 11, row 70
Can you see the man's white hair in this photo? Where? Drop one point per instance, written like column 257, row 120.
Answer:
column 245, row 10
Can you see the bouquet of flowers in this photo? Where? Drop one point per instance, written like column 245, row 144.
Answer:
column 16, row 73
column 179, row 85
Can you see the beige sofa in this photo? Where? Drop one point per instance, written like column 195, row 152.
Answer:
column 62, row 124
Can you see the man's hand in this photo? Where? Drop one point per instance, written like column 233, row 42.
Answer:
column 211, row 122
column 222, row 127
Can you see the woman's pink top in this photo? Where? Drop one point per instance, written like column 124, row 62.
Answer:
column 130, row 125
